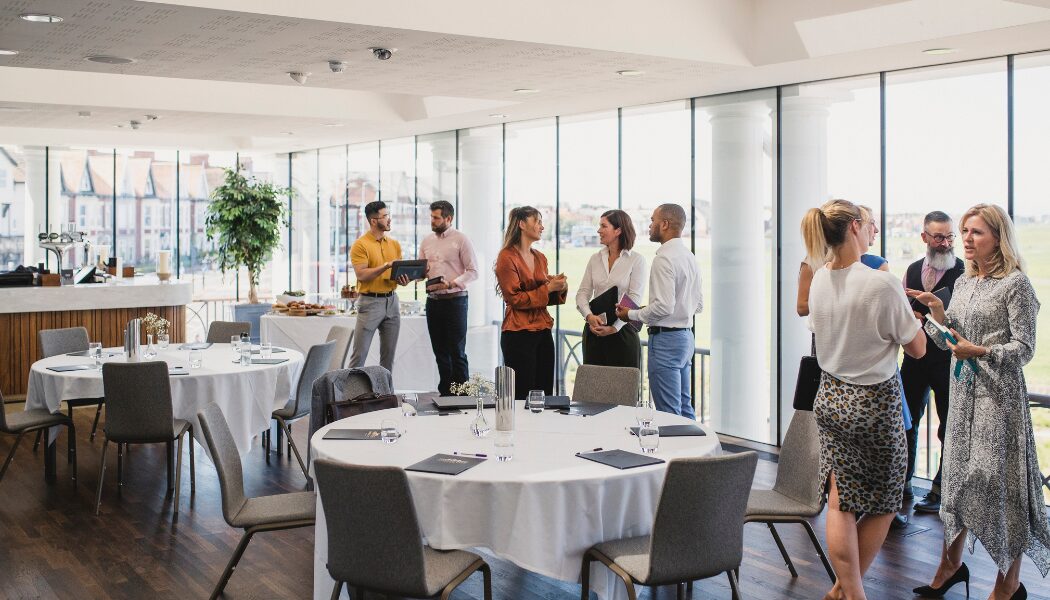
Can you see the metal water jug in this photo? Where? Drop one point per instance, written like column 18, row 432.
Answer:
column 133, row 340
column 504, row 399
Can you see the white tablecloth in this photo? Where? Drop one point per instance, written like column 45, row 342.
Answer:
column 414, row 365
column 246, row 395
column 542, row 510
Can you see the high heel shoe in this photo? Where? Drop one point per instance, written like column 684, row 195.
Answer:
column 961, row 574
column 1020, row 594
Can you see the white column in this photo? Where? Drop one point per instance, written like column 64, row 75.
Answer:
column 804, row 184
column 480, row 217
column 739, row 316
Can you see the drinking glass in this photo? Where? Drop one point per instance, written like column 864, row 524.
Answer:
column 409, row 405
column 535, row 399
column 195, row 359
column 246, row 355
column 644, row 412
column 162, row 340
column 649, row 437
column 389, row 432
column 95, row 351
column 235, row 344
column 504, row 442
column 265, row 350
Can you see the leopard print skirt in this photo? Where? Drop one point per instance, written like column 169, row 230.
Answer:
column 862, row 442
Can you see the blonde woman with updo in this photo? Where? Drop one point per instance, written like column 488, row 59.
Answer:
column 860, row 319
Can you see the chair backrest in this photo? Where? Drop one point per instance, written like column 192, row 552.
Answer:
column 138, row 402
column 606, row 385
column 699, row 527
column 798, row 471
column 227, row 460
column 60, row 341
column 342, row 337
column 220, row 332
column 372, row 525
column 317, row 360
column 3, row 415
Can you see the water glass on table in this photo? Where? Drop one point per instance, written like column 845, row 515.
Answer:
column 162, row 340
column 246, row 354
column 389, row 432
column 504, row 442
column 535, row 399
column 95, row 352
column 649, row 438
column 644, row 412
column 409, row 405
column 195, row 359
column 235, row 344
column 265, row 350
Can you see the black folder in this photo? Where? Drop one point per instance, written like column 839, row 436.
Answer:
column 268, row 361
column 445, row 464
column 178, row 371
column 621, row 459
column 556, row 402
column 605, row 303
column 66, row 368
column 676, row 431
column 415, row 269
column 586, row 409
column 450, row 402
column 105, row 353
column 258, row 350
column 352, row 434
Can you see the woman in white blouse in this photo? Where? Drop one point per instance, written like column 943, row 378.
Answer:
column 616, row 264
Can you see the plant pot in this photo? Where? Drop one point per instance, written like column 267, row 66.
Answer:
column 250, row 313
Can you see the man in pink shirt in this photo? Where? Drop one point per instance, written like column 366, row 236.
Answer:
column 451, row 265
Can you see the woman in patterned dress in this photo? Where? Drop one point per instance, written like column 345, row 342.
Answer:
column 991, row 489
column 860, row 319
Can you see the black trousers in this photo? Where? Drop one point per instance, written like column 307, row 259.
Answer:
column 447, row 324
column 920, row 377
column 621, row 349
column 531, row 355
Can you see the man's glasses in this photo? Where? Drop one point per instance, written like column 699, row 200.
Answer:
column 940, row 239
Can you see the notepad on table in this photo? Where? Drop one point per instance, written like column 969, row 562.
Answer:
column 66, row 368
column 621, row 459
column 352, row 434
column 676, row 431
column 268, row 361
column 586, row 409
column 445, row 464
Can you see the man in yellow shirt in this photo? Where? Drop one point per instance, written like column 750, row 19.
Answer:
column 371, row 256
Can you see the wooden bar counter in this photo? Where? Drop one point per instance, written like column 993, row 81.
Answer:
column 103, row 308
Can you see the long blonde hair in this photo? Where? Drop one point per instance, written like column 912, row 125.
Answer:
column 512, row 236
column 1007, row 256
column 825, row 228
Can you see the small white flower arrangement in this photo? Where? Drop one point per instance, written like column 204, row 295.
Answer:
column 475, row 386
column 155, row 325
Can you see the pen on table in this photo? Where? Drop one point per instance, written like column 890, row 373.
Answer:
column 474, row 454
column 594, row 450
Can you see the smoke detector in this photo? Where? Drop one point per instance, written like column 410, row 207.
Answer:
column 298, row 76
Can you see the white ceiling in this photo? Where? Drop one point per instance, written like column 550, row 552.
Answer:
column 215, row 71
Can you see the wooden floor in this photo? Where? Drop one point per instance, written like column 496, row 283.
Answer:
column 53, row 546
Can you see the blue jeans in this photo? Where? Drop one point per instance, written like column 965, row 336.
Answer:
column 670, row 372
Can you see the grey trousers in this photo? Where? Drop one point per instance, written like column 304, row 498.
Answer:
column 383, row 314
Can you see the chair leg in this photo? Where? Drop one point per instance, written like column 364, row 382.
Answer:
column 11, row 454
column 71, row 447
column 266, row 444
column 193, row 469
column 230, row 566
column 479, row 564
column 178, row 478
column 734, row 584
column 120, row 465
column 820, row 550
column 101, row 475
column 288, row 444
column 585, row 576
column 280, row 445
column 338, row 589
column 73, row 431
column 171, row 461
column 783, row 551
column 486, row 574
column 39, row 436
column 615, row 568
column 295, row 449
column 681, row 590
column 94, row 426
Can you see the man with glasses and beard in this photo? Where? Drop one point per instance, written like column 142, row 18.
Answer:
column 936, row 272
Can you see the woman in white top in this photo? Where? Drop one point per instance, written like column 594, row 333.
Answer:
column 860, row 318
column 616, row 264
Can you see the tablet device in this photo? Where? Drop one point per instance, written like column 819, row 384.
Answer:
column 415, row 269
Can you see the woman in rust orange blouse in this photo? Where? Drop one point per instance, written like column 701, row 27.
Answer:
column 527, row 290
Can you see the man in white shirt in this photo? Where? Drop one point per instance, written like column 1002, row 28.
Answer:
column 674, row 297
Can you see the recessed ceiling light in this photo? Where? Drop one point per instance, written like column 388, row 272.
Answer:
column 109, row 60
column 151, row 117
column 14, row 109
column 629, row 73
column 526, row 91
column 40, row 18
column 498, row 116
column 84, row 113
column 4, row 52
column 940, row 50
column 331, row 124
column 287, row 133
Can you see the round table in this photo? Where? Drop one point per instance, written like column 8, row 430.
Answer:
column 541, row 510
column 247, row 395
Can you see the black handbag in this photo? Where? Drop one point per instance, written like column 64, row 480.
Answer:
column 364, row 403
column 807, row 384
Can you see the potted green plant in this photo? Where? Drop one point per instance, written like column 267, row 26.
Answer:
column 245, row 218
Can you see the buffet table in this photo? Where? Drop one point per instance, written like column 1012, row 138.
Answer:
column 103, row 308
column 542, row 509
column 414, row 365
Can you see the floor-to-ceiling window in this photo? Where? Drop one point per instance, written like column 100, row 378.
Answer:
column 145, row 206
column 331, row 220
column 305, row 235
column 435, row 180
column 15, row 224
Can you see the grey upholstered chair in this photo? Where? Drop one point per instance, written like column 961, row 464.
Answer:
column 796, row 494
column 343, row 337
column 317, row 360
column 26, row 421
column 53, row 342
column 374, row 539
column 220, row 332
column 698, row 531
column 607, row 385
column 253, row 515
column 138, row 401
